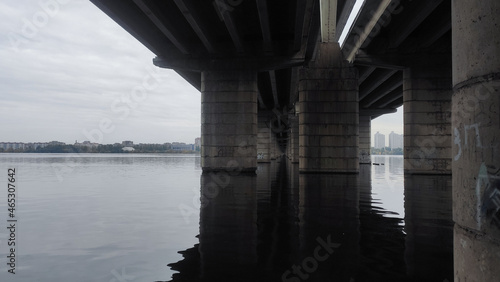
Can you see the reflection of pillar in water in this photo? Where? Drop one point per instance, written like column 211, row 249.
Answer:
column 277, row 221
column 329, row 212
column 197, row 163
column 228, row 229
column 429, row 227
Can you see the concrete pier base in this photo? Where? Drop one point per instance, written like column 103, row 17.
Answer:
column 476, row 139
column 365, row 139
column 229, row 121
column 328, row 118
column 427, row 118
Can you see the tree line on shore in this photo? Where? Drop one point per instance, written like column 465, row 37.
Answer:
column 141, row 148
column 386, row 151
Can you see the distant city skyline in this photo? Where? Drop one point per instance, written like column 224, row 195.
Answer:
column 379, row 140
column 34, row 146
column 387, row 123
column 391, row 140
column 395, row 140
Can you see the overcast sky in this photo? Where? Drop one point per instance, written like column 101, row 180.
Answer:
column 74, row 74
column 68, row 72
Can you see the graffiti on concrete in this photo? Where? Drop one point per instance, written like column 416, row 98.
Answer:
column 457, row 141
column 488, row 204
column 467, row 142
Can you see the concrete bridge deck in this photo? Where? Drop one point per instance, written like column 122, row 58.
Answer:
column 275, row 80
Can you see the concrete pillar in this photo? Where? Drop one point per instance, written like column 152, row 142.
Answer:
column 288, row 147
column 293, row 153
column 229, row 120
column 263, row 138
column 328, row 118
column 427, row 117
column 476, row 139
column 365, row 139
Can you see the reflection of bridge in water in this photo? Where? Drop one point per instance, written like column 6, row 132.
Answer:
column 274, row 226
column 274, row 80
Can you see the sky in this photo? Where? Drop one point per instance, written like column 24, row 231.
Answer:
column 387, row 123
column 70, row 73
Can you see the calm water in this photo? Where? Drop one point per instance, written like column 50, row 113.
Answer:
column 107, row 217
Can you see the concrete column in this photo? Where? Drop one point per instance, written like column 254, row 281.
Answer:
column 288, row 147
column 272, row 146
column 427, row 118
column 294, row 139
column 263, row 138
column 476, row 139
column 328, row 118
column 365, row 139
column 229, row 120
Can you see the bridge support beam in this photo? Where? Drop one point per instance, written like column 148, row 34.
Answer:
column 427, row 118
column 328, row 118
column 365, row 139
column 476, row 139
column 229, row 120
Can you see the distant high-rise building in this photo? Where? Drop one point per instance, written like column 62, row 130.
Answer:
column 12, row 145
column 395, row 140
column 127, row 143
column 379, row 140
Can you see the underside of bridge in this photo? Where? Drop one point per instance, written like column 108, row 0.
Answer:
column 275, row 80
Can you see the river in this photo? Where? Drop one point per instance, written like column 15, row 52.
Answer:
column 156, row 217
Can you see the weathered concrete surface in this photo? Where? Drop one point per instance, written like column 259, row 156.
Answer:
column 365, row 139
column 476, row 256
column 476, row 139
column 293, row 139
column 427, row 118
column 328, row 118
column 229, row 121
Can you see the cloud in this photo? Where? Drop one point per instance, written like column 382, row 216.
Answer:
column 67, row 72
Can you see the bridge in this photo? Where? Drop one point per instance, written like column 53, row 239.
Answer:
column 274, row 79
